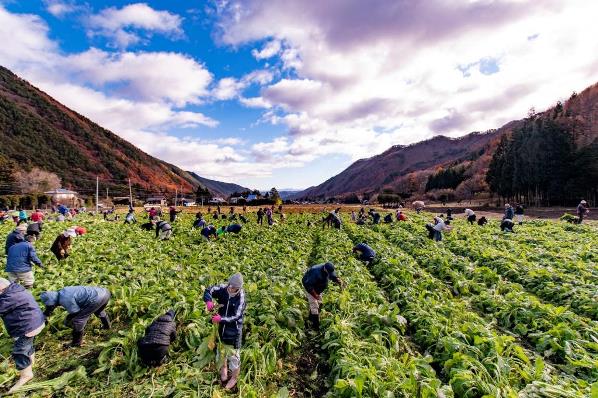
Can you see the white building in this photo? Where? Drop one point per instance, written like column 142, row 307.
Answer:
column 63, row 196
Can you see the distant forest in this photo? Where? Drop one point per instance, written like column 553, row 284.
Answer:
column 539, row 164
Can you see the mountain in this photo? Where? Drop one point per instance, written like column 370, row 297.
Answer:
column 37, row 131
column 372, row 174
column 218, row 187
column 464, row 162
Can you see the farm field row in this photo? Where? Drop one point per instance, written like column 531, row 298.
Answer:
column 478, row 323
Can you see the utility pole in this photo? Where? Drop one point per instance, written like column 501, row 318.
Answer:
column 97, row 193
column 106, row 194
column 130, row 194
column 176, row 192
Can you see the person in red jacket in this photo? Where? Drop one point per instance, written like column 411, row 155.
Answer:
column 37, row 216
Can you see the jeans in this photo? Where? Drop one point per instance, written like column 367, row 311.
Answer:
column 22, row 350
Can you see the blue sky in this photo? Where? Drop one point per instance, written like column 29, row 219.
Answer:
column 289, row 93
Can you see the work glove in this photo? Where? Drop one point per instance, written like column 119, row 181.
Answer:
column 209, row 306
column 216, row 318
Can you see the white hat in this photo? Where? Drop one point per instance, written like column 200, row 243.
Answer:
column 583, row 202
column 70, row 232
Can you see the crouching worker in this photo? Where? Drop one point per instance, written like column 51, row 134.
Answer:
column 23, row 320
column 208, row 231
column 63, row 242
column 153, row 346
column 80, row 302
column 507, row 225
column 163, row 229
column 315, row 282
column 366, row 253
column 229, row 317
column 471, row 217
column 482, row 221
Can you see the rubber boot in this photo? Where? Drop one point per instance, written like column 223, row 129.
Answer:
column 233, row 380
column 105, row 322
column 26, row 375
column 315, row 321
column 77, row 339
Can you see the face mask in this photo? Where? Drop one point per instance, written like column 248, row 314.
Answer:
column 233, row 291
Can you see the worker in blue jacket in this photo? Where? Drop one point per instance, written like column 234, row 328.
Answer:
column 315, row 282
column 19, row 264
column 23, row 320
column 16, row 236
column 229, row 317
column 80, row 302
column 366, row 253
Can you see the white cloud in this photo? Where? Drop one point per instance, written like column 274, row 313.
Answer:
column 230, row 87
column 129, row 25
column 153, row 76
column 269, row 50
column 368, row 75
column 60, row 8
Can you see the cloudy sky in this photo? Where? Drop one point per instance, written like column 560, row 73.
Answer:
column 289, row 93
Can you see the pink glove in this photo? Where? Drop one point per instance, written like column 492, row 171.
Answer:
column 216, row 318
column 209, row 305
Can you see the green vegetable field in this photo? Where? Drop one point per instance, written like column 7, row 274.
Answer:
column 488, row 314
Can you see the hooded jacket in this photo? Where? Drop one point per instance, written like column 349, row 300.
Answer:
column 232, row 309
column 21, row 256
column 162, row 331
column 13, row 238
column 316, row 278
column 19, row 311
column 367, row 253
column 75, row 298
column 234, row 228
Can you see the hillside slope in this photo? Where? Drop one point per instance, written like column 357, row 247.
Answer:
column 37, row 131
column 218, row 187
column 381, row 170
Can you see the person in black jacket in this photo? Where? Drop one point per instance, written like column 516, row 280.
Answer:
column 366, row 253
column 507, row 225
column 153, row 346
column 208, row 231
column 16, row 236
column 23, row 320
column 388, row 218
column 315, row 281
column 229, row 317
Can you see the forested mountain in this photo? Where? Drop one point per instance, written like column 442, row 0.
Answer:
column 37, row 131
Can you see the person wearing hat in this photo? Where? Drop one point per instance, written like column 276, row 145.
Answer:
column 16, row 236
column 229, row 317
column 163, row 229
column 509, row 213
column 23, row 320
column 471, row 217
column 80, row 302
column 366, row 253
column 20, row 260
column 315, row 281
column 582, row 210
column 153, row 346
column 62, row 244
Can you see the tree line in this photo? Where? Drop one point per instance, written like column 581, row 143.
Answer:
column 539, row 164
